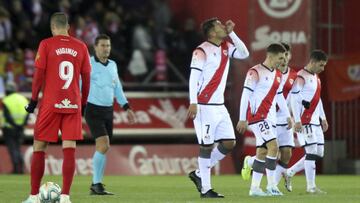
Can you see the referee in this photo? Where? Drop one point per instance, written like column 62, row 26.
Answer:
column 104, row 86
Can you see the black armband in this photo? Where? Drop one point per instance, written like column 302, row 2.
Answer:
column 126, row 106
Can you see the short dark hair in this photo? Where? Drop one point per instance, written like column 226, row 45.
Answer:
column 101, row 37
column 318, row 55
column 275, row 48
column 286, row 46
column 207, row 25
column 59, row 19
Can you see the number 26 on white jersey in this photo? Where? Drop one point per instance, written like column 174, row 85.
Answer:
column 66, row 72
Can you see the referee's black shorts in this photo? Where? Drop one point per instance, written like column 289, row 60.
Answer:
column 99, row 120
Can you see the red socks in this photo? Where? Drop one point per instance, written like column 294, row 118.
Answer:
column 68, row 169
column 37, row 170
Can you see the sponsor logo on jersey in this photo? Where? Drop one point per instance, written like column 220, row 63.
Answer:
column 225, row 52
column 66, row 104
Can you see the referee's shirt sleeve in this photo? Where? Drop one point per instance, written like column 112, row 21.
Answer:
column 197, row 64
column 119, row 92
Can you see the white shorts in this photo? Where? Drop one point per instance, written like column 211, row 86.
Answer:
column 311, row 134
column 212, row 123
column 264, row 132
column 284, row 136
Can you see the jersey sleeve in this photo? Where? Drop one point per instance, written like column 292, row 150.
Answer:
column 193, row 81
column 119, row 92
column 41, row 57
column 198, row 59
column 238, row 50
column 86, row 67
column 296, row 98
column 249, row 85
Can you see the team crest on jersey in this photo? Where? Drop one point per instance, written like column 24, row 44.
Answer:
column 66, row 104
column 278, row 79
column 291, row 81
column 225, row 52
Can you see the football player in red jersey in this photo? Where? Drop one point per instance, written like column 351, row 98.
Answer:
column 59, row 63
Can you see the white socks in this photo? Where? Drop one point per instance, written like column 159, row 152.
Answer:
column 297, row 167
column 310, row 172
column 205, row 172
column 216, row 156
column 278, row 172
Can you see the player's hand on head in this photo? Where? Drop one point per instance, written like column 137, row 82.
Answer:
column 192, row 111
column 31, row 106
column 229, row 26
column 131, row 116
column 241, row 127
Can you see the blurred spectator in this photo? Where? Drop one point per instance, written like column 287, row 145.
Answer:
column 138, row 29
column 162, row 18
column 5, row 30
column 15, row 119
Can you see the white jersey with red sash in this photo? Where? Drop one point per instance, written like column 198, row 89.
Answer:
column 307, row 88
column 287, row 81
column 212, row 83
column 262, row 105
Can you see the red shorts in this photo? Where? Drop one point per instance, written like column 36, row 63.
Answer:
column 48, row 124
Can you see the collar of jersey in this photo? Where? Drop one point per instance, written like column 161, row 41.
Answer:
column 97, row 60
column 267, row 67
column 213, row 43
column 309, row 71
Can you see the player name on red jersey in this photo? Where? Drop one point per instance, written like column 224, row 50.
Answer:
column 63, row 50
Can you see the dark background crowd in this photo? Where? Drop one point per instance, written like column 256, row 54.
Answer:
column 145, row 36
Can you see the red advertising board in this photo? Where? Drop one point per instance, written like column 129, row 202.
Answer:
column 280, row 21
column 124, row 160
column 157, row 113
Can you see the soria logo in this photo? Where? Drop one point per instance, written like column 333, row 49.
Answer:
column 280, row 8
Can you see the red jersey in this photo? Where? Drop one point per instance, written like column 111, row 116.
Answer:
column 64, row 59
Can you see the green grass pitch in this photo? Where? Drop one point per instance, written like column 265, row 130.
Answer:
column 180, row 189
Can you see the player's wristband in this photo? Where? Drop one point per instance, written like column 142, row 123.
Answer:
column 126, row 106
column 306, row 104
column 31, row 106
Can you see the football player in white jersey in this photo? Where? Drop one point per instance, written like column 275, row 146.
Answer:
column 262, row 85
column 307, row 108
column 285, row 135
column 209, row 70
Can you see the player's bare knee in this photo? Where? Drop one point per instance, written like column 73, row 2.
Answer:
column 261, row 153
column 205, row 151
column 272, row 148
column 39, row 145
column 285, row 154
column 226, row 146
